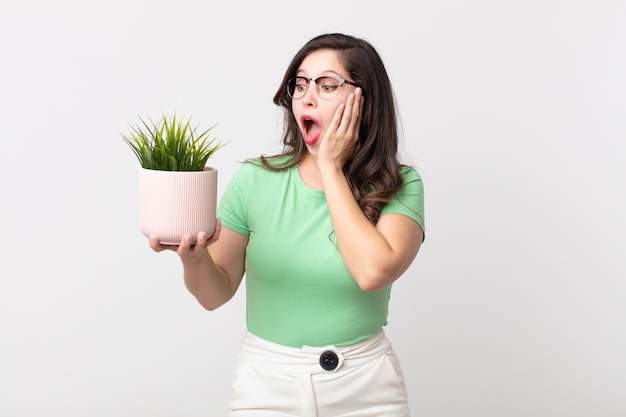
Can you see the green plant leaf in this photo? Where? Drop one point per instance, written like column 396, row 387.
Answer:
column 171, row 144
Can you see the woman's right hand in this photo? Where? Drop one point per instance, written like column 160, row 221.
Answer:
column 213, row 278
column 186, row 250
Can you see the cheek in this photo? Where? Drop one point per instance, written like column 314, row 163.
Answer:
column 296, row 114
column 327, row 111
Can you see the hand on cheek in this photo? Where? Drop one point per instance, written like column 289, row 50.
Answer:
column 341, row 138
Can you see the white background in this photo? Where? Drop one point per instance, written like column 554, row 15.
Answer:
column 513, row 112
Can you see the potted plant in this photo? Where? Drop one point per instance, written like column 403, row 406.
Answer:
column 177, row 191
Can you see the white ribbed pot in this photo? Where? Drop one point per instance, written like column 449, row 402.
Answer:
column 174, row 203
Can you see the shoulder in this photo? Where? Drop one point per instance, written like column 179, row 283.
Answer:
column 409, row 200
column 411, row 180
column 253, row 173
column 409, row 174
column 265, row 165
column 249, row 169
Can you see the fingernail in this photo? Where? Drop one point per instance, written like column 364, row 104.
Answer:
column 187, row 239
column 202, row 236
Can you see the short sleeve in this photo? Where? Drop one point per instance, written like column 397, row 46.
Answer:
column 233, row 207
column 409, row 201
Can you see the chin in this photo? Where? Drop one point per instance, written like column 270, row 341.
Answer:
column 313, row 150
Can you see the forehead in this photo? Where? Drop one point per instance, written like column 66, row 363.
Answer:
column 320, row 62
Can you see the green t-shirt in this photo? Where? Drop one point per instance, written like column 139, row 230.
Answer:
column 298, row 289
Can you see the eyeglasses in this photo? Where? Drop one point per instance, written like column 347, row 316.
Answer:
column 327, row 87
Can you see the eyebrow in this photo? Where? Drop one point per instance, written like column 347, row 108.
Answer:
column 323, row 73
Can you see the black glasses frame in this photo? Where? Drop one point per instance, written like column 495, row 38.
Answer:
column 341, row 82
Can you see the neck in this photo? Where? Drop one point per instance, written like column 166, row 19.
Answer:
column 309, row 172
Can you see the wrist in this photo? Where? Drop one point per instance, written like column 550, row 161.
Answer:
column 195, row 260
column 329, row 169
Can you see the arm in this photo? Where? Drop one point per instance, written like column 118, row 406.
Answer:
column 214, row 267
column 375, row 255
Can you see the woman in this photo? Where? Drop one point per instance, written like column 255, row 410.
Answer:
column 321, row 232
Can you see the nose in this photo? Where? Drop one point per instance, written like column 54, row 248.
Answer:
column 310, row 96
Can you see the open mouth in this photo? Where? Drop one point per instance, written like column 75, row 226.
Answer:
column 310, row 129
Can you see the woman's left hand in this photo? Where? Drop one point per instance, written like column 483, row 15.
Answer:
column 341, row 139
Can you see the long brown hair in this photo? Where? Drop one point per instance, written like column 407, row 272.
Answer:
column 373, row 172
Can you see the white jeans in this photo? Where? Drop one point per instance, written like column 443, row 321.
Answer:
column 277, row 381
